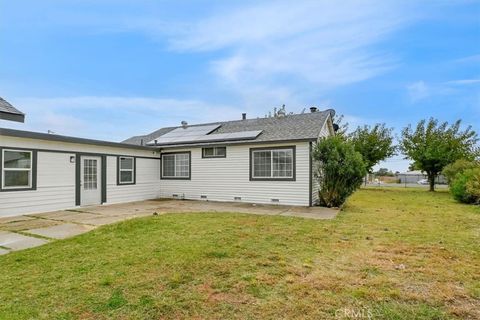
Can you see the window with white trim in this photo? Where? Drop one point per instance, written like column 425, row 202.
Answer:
column 126, row 170
column 275, row 164
column 214, row 152
column 176, row 165
column 17, row 166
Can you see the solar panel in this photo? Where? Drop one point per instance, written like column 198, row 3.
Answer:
column 183, row 134
column 202, row 134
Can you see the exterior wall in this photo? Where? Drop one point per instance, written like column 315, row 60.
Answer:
column 223, row 179
column 56, row 176
column 147, row 184
column 55, row 188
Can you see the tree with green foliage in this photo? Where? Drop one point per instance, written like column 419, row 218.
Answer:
column 466, row 186
column 433, row 145
column 458, row 167
column 340, row 170
column 373, row 143
column 384, row 172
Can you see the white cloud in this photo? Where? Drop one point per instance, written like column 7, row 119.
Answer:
column 463, row 82
column 418, row 91
column 320, row 42
column 421, row 90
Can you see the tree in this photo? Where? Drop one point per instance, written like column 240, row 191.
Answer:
column 458, row 167
column 432, row 146
column 374, row 144
column 384, row 172
column 466, row 186
column 340, row 170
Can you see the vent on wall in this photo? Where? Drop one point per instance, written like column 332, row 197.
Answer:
column 175, row 195
column 203, row 197
column 275, row 200
column 237, row 198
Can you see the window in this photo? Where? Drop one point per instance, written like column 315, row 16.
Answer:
column 126, row 170
column 272, row 164
column 90, row 179
column 176, row 165
column 17, row 169
column 214, row 152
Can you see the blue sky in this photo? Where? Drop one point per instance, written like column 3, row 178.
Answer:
column 109, row 69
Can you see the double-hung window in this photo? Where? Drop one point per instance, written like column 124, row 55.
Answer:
column 214, row 152
column 176, row 165
column 272, row 163
column 17, row 169
column 126, row 170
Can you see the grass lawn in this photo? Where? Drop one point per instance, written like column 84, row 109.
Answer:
column 391, row 254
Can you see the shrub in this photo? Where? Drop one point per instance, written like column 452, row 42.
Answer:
column 340, row 170
column 466, row 186
column 459, row 166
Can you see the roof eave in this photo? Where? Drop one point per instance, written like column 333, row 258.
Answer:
column 68, row 139
column 236, row 142
column 17, row 117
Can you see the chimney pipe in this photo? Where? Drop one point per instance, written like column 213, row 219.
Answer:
column 244, row 116
column 313, row 109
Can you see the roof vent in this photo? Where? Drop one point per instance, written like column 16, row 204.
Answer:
column 244, row 116
column 313, row 109
column 184, row 124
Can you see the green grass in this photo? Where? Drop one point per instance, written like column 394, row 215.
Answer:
column 393, row 254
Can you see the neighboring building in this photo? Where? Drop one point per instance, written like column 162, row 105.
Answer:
column 9, row 112
column 417, row 175
column 265, row 160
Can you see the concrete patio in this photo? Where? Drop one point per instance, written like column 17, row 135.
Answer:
column 27, row 231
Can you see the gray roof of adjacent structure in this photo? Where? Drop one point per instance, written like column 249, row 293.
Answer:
column 9, row 112
column 306, row 126
column 59, row 138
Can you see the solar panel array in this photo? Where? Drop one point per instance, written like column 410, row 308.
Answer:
column 198, row 134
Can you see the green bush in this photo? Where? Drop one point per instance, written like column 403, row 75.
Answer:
column 459, row 166
column 466, row 186
column 340, row 170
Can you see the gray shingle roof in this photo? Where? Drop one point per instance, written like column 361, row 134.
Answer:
column 9, row 112
column 291, row 127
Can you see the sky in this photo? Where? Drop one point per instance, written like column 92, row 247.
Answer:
column 111, row 69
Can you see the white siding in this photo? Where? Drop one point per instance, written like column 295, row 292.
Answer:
column 56, row 177
column 147, row 183
column 55, row 188
column 222, row 179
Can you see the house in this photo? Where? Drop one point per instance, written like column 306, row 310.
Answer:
column 9, row 112
column 265, row 160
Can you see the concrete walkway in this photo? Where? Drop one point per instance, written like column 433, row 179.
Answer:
column 27, row 231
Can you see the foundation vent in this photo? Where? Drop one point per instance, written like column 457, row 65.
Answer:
column 237, row 198
column 203, row 196
column 276, row 200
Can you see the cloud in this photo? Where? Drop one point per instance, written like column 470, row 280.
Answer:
column 418, row 91
column 278, row 44
column 469, row 59
column 463, row 82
